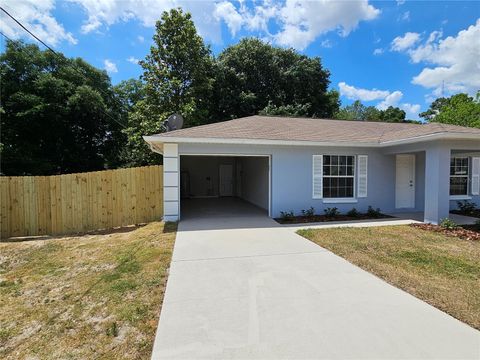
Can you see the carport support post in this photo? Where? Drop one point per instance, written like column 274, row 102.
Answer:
column 171, row 181
column 437, row 183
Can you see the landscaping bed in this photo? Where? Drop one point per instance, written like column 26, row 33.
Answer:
column 465, row 232
column 467, row 208
column 472, row 213
column 331, row 214
column 441, row 269
column 84, row 297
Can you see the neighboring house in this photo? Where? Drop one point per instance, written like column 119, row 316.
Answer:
column 283, row 164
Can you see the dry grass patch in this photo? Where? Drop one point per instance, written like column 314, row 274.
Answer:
column 441, row 270
column 92, row 296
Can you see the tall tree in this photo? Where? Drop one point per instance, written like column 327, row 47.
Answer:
column 178, row 76
column 459, row 109
column 358, row 111
column 253, row 75
column 57, row 113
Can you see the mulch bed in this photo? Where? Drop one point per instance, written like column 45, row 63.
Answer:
column 323, row 218
column 466, row 232
column 474, row 213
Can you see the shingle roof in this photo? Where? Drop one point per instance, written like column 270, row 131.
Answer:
column 314, row 130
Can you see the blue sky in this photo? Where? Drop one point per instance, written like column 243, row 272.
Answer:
column 400, row 53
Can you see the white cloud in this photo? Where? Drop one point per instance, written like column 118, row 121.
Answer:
column 402, row 43
column 400, row 2
column 140, row 39
column 110, row 66
column 104, row 13
column 378, row 51
column 37, row 17
column 387, row 98
column 353, row 93
column 405, row 16
column 326, row 43
column 411, row 109
column 454, row 62
column 133, row 60
column 391, row 99
column 300, row 22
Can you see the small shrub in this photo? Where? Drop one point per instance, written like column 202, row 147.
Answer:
column 374, row 213
column 112, row 329
column 466, row 207
column 353, row 213
column 287, row 215
column 309, row 213
column 331, row 212
column 448, row 224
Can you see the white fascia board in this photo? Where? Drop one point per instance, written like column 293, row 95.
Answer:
column 231, row 141
column 188, row 140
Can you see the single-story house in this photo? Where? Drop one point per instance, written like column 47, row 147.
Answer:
column 283, row 164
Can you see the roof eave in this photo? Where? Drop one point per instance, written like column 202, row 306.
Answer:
column 153, row 140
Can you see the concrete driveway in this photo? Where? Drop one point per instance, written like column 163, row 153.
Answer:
column 244, row 287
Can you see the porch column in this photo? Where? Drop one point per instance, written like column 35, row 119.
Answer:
column 171, row 181
column 437, row 183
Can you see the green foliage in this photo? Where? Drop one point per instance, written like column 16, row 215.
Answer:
column 459, row 109
column 178, row 78
column 308, row 213
column 331, row 212
column 374, row 213
column 112, row 329
column 466, row 207
column 358, row 111
column 448, row 224
column 253, row 76
column 353, row 213
column 287, row 215
column 54, row 119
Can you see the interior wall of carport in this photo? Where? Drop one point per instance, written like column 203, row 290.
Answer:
column 250, row 176
column 291, row 175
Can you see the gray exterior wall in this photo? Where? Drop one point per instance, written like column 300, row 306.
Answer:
column 291, row 173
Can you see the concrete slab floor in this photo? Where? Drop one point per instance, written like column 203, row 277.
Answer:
column 244, row 287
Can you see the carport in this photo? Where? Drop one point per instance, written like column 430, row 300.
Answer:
column 224, row 185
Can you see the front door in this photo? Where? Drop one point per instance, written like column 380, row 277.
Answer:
column 405, row 182
column 226, row 180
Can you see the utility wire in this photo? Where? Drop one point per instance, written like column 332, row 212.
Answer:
column 59, row 55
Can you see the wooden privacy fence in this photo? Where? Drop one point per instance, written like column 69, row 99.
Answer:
column 66, row 204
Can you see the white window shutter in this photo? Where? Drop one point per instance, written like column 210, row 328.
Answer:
column 317, row 174
column 475, row 175
column 362, row 175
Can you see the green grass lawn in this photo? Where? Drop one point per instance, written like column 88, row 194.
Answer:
column 441, row 270
column 84, row 297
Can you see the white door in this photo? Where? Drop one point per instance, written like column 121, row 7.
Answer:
column 226, row 180
column 405, row 182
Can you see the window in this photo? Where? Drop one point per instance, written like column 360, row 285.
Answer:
column 338, row 176
column 459, row 172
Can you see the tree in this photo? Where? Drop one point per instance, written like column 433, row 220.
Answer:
column 252, row 76
column 178, row 77
column 459, row 109
column 57, row 113
column 358, row 111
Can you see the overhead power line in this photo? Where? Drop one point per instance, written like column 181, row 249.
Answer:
column 59, row 55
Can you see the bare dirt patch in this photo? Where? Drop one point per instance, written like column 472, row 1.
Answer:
column 83, row 297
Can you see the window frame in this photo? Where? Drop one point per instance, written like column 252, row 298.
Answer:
column 353, row 177
column 466, row 176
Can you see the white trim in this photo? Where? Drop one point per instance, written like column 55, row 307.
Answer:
column 359, row 176
column 269, row 156
column 345, row 143
column 319, row 195
column 460, row 197
column 340, row 200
